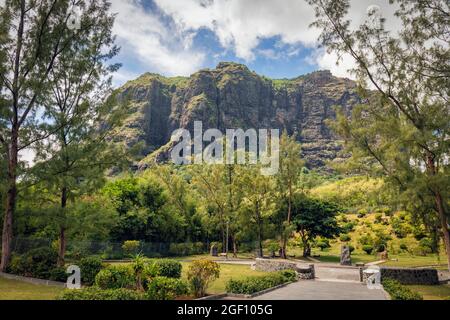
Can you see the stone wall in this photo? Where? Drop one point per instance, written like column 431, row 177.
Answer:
column 425, row 276
column 270, row 265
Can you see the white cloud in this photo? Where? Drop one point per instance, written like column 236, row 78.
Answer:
column 160, row 47
column 165, row 45
column 240, row 25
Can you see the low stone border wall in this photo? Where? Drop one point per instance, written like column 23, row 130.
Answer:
column 33, row 280
column 305, row 272
column 425, row 276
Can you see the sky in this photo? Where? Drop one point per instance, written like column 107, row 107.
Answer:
column 273, row 38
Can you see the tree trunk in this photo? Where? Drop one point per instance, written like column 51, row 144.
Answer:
column 7, row 226
column 444, row 225
column 7, row 233
column 288, row 220
column 260, row 232
column 234, row 247
column 62, row 230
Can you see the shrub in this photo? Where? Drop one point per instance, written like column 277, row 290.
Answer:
column 323, row 244
column 163, row 288
column 89, row 268
column 95, row 293
column 181, row 249
column 255, row 284
column 345, row 237
column 351, row 248
column 426, row 244
column 378, row 217
column 403, row 247
column 200, row 274
column 37, row 263
column 290, row 275
column 367, row 248
column 348, row 227
column 58, row 274
column 397, row 291
column 362, row 213
column 115, row 277
column 131, row 247
column 164, row 268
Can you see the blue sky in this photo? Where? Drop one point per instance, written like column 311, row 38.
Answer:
column 179, row 37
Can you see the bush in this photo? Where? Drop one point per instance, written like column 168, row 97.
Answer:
column 290, row 275
column 362, row 213
column 95, row 293
column 181, row 249
column 58, row 274
column 164, row 268
column 131, row 247
column 426, row 244
column 163, row 288
column 36, row 263
column 403, row 247
column 351, row 248
column 345, row 238
column 200, row 274
column 255, row 284
column 115, row 277
column 367, row 248
column 348, row 227
column 378, row 217
column 397, row 291
column 323, row 244
column 89, row 268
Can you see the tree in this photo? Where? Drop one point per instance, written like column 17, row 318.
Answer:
column 287, row 178
column 33, row 35
column 314, row 218
column 257, row 202
column 74, row 157
column 403, row 130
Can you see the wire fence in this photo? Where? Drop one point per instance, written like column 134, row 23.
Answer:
column 110, row 250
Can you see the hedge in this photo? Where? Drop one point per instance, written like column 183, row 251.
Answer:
column 255, row 284
column 397, row 291
column 96, row 293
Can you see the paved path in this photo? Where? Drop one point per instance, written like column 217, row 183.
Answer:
column 324, row 272
column 324, row 290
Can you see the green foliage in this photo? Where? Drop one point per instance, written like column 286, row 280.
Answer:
column 367, row 248
column 345, row 238
column 323, row 244
column 164, row 268
column 351, row 248
column 186, row 248
column 36, row 263
column 131, row 247
column 164, row 288
column 95, row 293
column 314, row 218
column 89, row 268
column 58, row 274
column 255, row 284
column 115, row 277
column 397, row 291
column 200, row 275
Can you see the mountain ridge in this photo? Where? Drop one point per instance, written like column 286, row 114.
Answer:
column 232, row 96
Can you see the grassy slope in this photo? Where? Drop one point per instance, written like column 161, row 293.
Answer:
column 18, row 290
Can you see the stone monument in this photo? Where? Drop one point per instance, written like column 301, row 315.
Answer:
column 213, row 250
column 346, row 260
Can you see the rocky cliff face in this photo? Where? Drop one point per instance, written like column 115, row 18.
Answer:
column 232, row 96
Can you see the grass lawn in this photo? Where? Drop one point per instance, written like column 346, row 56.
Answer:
column 227, row 271
column 417, row 261
column 439, row 292
column 19, row 290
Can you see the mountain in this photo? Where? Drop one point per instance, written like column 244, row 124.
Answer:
column 231, row 96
